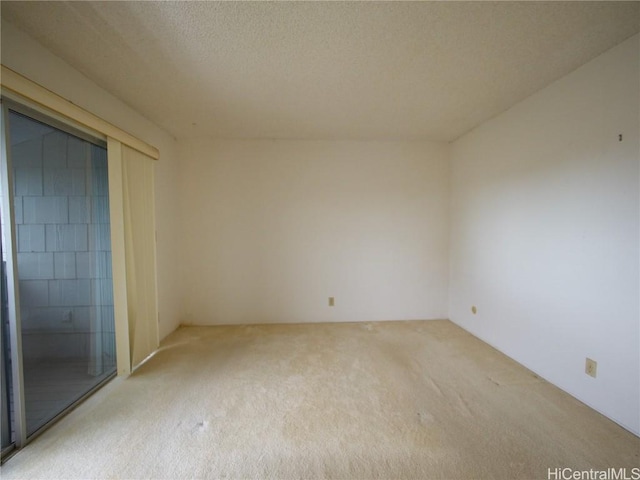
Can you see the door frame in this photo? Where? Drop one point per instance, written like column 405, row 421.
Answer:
column 13, row 295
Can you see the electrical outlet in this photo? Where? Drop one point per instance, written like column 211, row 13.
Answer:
column 591, row 367
column 332, row 301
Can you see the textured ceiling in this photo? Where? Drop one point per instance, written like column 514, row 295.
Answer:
column 367, row 70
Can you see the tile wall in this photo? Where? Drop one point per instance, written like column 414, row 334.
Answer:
column 63, row 247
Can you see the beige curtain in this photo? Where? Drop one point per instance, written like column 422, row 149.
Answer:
column 140, row 252
column 134, row 254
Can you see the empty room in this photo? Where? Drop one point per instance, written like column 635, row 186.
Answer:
column 343, row 240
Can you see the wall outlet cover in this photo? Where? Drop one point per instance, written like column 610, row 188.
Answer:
column 591, row 367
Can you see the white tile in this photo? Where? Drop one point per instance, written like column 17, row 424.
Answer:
column 70, row 292
column 64, row 265
column 34, row 293
column 108, row 265
column 64, row 181
column 66, row 238
column 54, row 150
column 99, row 237
column 31, row 238
column 82, row 318
column 79, row 181
column 77, row 152
column 48, row 318
column 28, row 318
column 95, row 264
column 109, row 345
column 83, row 264
column 98, row 157
column 102, row 291
column 17, row 210
column 79, row 209
column 45, row 210
column 27, row 181
column 100, row 209
column 100, row 181
column 27, row 154
column 35, row 266
column 107, row 312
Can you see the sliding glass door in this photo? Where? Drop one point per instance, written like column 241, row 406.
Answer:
column 56, row 235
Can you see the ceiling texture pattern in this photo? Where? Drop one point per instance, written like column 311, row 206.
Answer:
column 324, row 70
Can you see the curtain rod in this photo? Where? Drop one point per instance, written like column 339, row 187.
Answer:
column 21, row 85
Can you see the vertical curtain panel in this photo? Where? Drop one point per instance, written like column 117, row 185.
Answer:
column 140, row 251
column 133, row 243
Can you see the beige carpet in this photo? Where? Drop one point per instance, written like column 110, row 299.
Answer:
column 374, row 400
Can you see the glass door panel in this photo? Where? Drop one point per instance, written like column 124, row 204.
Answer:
column 61, row 207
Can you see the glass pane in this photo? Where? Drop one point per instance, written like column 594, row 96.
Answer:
column 64, row 266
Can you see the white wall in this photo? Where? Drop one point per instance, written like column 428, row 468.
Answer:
column 22, row 54
column 273, row 228
column 544, row 233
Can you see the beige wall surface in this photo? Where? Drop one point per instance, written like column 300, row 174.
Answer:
column 271, row 229
column 545, row 227
column 27, row 57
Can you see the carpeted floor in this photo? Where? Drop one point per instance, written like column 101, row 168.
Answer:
column 373, row 400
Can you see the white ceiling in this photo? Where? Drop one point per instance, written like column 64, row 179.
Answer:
column 334, row 70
